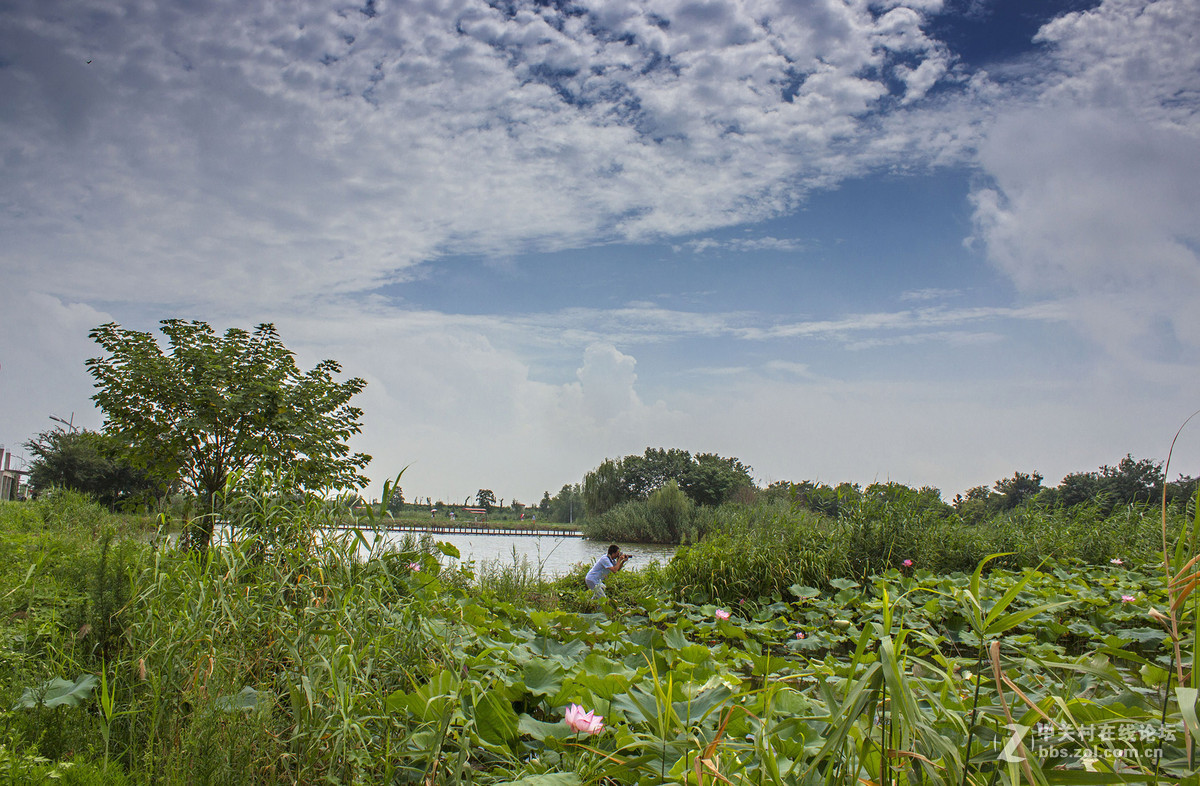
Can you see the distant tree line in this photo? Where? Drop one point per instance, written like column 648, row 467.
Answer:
column 1131, row 482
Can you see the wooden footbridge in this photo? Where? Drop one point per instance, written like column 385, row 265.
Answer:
column 474, row 528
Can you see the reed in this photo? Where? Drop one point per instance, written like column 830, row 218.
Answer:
column 760, row 655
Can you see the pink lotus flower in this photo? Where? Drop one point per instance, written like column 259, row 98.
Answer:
column 721, row 614
column 907, row 563
column 1127, row 599
column 1117, row 561
column 799, row 634
column 586, row 722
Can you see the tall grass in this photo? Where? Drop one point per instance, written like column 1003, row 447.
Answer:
column 756, row 552
column 666, row 516
column 761, row 550
column 282, row 657
column 267, row 660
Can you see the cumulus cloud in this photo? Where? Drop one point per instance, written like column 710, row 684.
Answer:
column 1095, row 178
column 250, row 161
column 254, row 151
column 606, row 379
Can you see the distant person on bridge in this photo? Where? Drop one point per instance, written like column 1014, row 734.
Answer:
column 611, row 562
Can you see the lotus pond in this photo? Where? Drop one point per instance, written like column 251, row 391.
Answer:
column 278, row 661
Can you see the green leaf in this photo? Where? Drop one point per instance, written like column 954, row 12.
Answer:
column 547, row 779
column 543, row 678
column 58, row 692
column 541, row 730
column 246, row 700
column 567, row 653
column 1145, row 635
column 495, row 719
column 675, row 639
column 1187, row 708
column 993, row 626
column 697, row 653
column 702, row 704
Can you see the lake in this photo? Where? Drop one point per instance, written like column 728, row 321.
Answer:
column 556, row 555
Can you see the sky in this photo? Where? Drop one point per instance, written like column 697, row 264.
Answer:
column 925, row 241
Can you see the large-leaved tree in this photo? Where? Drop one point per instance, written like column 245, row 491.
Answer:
column 212, row 405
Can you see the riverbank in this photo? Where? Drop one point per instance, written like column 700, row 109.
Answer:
column 298, row 661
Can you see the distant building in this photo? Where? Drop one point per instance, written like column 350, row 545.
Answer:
column 11, row 484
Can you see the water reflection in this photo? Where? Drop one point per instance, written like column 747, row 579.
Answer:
column 550, row 555
column 553, row 556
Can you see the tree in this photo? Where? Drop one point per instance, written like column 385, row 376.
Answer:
column 89, row 462
column 567, row 504
column 215, row 405
column 653, row 469
column 603, row 488
column 396, row 501
column 707, row 479
column 485, row 498
column 1019, row 488
column 713, row 479
column 823, row 498
column 1078, row 488
column 1132, row 481
column 1183, row 490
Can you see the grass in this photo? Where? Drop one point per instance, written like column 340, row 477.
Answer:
column 278, row 660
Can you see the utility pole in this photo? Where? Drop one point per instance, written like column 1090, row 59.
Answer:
column 68, row 423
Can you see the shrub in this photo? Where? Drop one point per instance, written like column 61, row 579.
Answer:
column 755, row 552
column 884, row 526
column 667, row 516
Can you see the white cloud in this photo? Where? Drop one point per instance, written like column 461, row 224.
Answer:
column 929, row 293
column 253, row 152
column 889, row 323
column 788, row 367
column 1095, row 180
column 605, row 390
column 741, row 244
column 243, row 162
column 42, row 370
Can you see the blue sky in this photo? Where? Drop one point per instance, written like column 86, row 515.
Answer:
column 928, row 241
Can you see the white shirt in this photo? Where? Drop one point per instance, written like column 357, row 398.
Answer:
column 599, row 571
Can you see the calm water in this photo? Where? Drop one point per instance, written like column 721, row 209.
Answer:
column 556, row 555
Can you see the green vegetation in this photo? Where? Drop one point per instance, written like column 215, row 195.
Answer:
column 706, row 478
column 88, row 462
column 217, row 406
column 617, row 505
column 806, row 634
column 778, row 650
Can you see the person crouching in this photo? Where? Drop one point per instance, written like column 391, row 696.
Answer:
column 611, row 562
